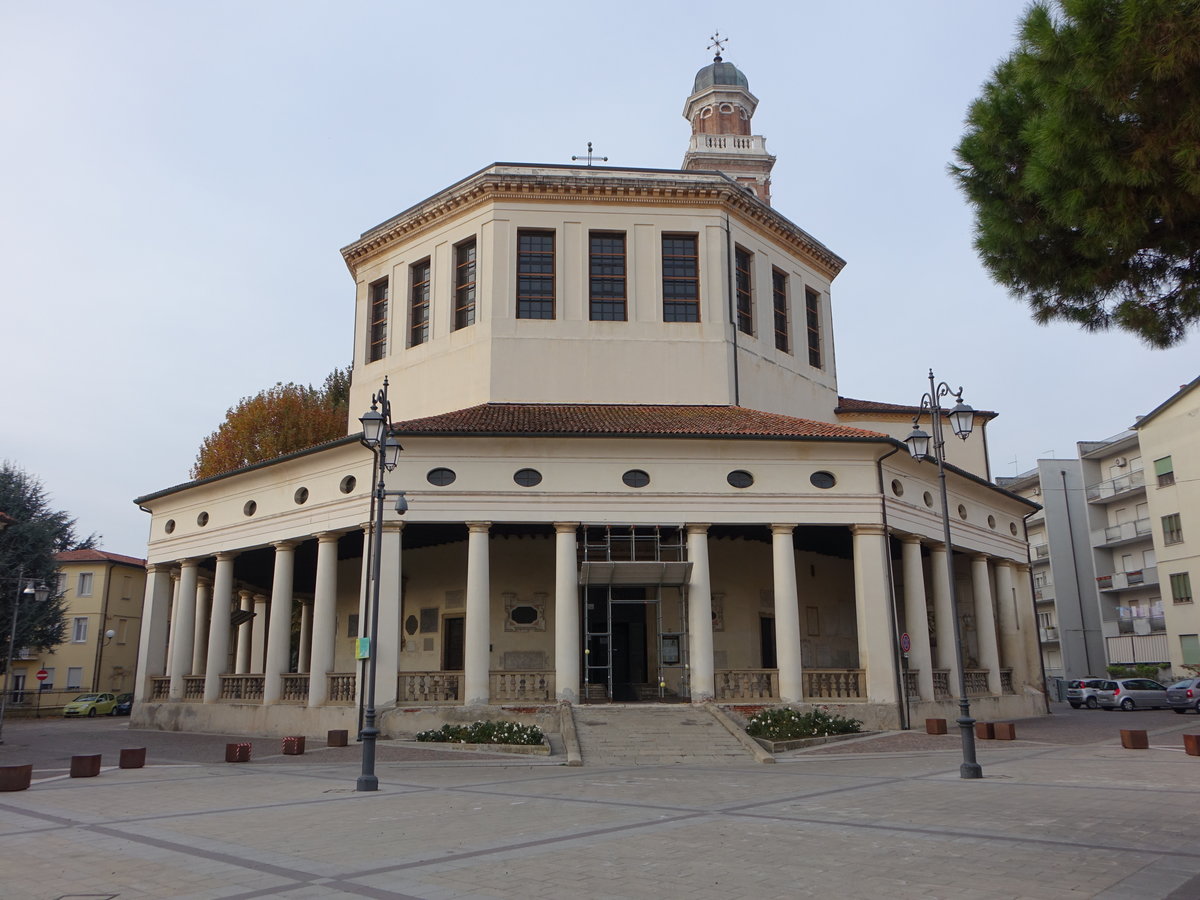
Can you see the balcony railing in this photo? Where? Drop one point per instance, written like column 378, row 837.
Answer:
column 506, row 687
column 242, row 687
column 295, row 687
column 430, row 687
column 193, row 687
column 941, row 684
column 1124, row 581
column 834, row 684
column 1048, row 635
column 1119, row 534
column 1006, row 682
column 977, row 682
column 1039, row 551
column 1043, row 592
column 747, row 684
column 1121, row 484
column 160, row 688
column 912, row 684
column 341, row 687
column 1133, row 649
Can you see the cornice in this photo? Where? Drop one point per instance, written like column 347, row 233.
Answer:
column 491, row 186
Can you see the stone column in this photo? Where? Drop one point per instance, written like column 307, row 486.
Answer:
column 152, row 642
column 385, row 638
column 478, row 628
column 364, row 613
column 279, row 632
column 872, row 597
column 787, row 615
column 985, row 622
column 700, row 632
column 324, row 618
column 174, row 617
column 1030, row 644
column 946, row 617
column 304, row 653
column 566, row 612
column 200, row 637
column 185, row 635
column 245, row 630
column 1012, row 653
column 219, row 627
column 916, row 615
column 258, row 634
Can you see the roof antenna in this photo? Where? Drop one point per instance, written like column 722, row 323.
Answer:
column 719, row 43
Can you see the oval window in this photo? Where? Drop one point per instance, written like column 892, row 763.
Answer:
column 1012, row 526
column 822, row 480
column 441, row 476
column 301, row 496
column 740, row 478
column 524, row 615
column 170, row 526
column 991, row 521
column 527, row 477
column 202, row 519
column 348, row 484
column 635, row 478
column 250, row 508
column 928, row 498
column 962, row 511
column 897, row 487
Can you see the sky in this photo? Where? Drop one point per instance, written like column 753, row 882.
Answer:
column 176, row 180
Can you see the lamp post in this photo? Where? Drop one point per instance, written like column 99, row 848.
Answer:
column 377, row 437
column 24, row 589
column 962, row 420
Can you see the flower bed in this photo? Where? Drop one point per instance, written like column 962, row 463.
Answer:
column 485, row 732
column 782, row 723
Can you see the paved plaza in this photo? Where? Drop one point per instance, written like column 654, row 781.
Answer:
column 1061, row 812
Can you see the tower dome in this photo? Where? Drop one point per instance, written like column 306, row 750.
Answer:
column 719, row 72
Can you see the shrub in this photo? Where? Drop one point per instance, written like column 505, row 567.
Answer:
column 483, row 733
column 1149, row 670
column 782, row 723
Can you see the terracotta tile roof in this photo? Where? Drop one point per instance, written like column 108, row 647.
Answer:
column 850, row 405
column 629, row 420
column 97, row 556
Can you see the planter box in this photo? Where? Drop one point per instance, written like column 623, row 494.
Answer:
column 293, row 746
column 985, row 731
column 1191, row 744
column 133, row 758
column 337, row 737
column 15, row 778
column 935, row 726
column 85, row 766
column 1134, row 739
column 801, row 743
column 1006, row 731
column 235, row 753
column 542, row 749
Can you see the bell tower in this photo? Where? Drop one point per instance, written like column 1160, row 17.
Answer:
column 720, row 109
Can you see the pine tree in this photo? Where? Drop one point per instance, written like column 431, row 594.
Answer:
column 1082, row 160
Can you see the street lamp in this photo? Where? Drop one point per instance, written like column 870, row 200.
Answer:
column 377, row 437
column 27, row 590
column 962, row 419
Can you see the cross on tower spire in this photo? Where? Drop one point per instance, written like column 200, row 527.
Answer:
column 719, row 43
column 589, row 156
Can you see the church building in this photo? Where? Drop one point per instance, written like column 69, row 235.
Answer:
column 628, row 477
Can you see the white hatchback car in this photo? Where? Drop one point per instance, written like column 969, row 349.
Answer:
column 1132, row 693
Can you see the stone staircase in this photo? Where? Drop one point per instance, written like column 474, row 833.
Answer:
column 652, row 734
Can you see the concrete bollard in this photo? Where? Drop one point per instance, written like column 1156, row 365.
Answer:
column 293, row 746
column 985, row 731
column 1006, row 731
column 15, row 778
column 935, row 726
column 133, row 758
column 235, row 753
column 1191, row 744
column 1134, row 739
column 338, row 737
column 85, row 766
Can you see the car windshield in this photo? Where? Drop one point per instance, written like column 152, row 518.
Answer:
column 83, row 697
column 1183, row 684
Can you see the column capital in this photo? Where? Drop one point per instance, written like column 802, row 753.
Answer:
column 227, row 555
column 246, row 595
column 327, row 537
column 980, row 557
column 204, row 581
column 783, row 529
column 156, row 568
column 910, row 539
column 698, row 527
column 478, row 527
column 1007, row 563
column 393, row 525
column 937, row 546
column 868, row 528
column 284, row 546
column 261, row 598
column 564, row 527
column 190, row 563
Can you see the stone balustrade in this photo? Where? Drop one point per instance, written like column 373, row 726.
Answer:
column 160, row 688
column 295, row 687
column 941, row 684
column 341, row 687
column 429, row 687
column 834, row 684
column 505, row 687
column 242, row 687
column 977, row 682
column 193, row 687
column 747, row 684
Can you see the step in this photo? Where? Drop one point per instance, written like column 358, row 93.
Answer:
column 654, row 734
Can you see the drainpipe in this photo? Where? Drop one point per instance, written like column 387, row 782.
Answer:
column 893, row 614
column 1033, row 607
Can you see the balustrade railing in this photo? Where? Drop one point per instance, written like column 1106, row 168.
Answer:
column 941, row 684
column 912, row 684
column 1104, row 489
column 977, row 683
column 295, row 686
column 429, row 687
column 510, row 686
column 1006, row 682
column 747, row 684
column 193, row 687
column 834, row 684
column 242, row 687
column 160, row 688
column 341, row 687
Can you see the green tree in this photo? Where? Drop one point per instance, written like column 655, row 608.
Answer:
column 279, row 420
column 27, row 547
column 1082, row 161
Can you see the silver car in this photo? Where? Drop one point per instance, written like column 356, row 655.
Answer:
column 1184, row 695
column 1132, row 693
column 1082, row 691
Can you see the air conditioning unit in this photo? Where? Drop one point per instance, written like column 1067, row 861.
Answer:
column 1037, row 492
column 1120, row 461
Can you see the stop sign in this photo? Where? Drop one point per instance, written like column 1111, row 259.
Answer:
column 42, row 675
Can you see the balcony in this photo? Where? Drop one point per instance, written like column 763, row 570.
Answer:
column 1048, row 635
column 1128, row 581
column 1116, row 487
column 1039, row 552
column 1043, row 593
column 738, row 145
column 1122, row 533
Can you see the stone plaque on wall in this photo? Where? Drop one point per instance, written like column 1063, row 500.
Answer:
column 454, row 599
column 524, row 615
column 429, row 620
column 524, row 660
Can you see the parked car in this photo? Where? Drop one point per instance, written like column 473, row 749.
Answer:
column 124, row 705
column 1184, row 695
column 1082, row 691
column 1132, row 693
column 91, row 705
